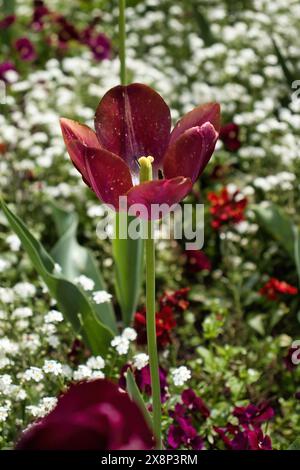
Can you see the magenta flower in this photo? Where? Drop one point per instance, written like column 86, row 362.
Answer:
column 26, row 49
column 134, row 121
column 91, row 415
column 4, row 68
column 7, row 21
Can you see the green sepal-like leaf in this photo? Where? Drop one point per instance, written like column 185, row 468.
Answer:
column 295, row 445
column 73, row 303
column 136, row 396
column 75, row 260
column 128, row 258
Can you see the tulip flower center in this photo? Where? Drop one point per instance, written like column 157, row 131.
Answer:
column 145, row 168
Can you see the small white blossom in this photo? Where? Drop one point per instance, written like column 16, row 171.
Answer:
column 85, row 282
column 52, row 367
column 140, row 360
column 22, row 312
column 4, row 265
column 13, row 242
column 33, row 373
column 53, row 341
column 97, row 374
column 54, row 316
column 101, row 296
column 83, row 372
column 3, row 413
column 96, row 362
column 121, row 345
column 130, row 334
column 25, row 290
column 181, row 375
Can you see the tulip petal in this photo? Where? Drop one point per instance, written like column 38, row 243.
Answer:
column 107, row 173
column 209, row 112
column 74, row 131
column 134, row 121
column 191, row 152
column 164, row 193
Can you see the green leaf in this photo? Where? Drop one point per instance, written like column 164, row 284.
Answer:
column 283, row 62
column 257, row 323
column 295, row 445
column 128, row 257
column 136, row 396
column 75, row 260
column 73, row 303
column 297, row 251
column 277, row 224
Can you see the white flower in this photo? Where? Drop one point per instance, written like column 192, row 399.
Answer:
column 101, row 296
column 96, row 362
column 47, row 404
column 140, row 360
column 57, row 268
column 53, row 341
column 54, row 316
column 22, row 312
column 4, row 265
column 83, row 372
column 52, row 367
column 6, row 295
column 181, row 375
column 25, row 290
column 97, row 374
column 85, row 282
column 33, row 373
column 5, row 384
column 121, row 344
column 130, row 334
column 3, row 413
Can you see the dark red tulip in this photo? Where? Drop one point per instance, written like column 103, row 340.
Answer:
column 93, row 415
column 134, row 121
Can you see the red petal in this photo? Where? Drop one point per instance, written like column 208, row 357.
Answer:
column 74, row 131
column 159, row 192
column 191, row 152
column 134, row 121
column 209, row 112
column 107, row 173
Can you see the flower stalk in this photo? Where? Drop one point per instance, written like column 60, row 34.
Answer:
column 146, row 175
column 122, row 41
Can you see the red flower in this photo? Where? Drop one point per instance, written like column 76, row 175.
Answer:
column 229, row 134
column 177, row 299
column 26, row 49
column 134, row 121
column 227, row 208
column 39, row 12
column 197, row 261
column 7, row 21
column 90, row 416
column 165, row 323
column 274, row 287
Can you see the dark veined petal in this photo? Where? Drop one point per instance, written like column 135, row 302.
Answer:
column 74, row 131
column 164, row 193
column 108, row 174
column 134, row 121
column 191, row 152
column 209, row 112
column 92, row 415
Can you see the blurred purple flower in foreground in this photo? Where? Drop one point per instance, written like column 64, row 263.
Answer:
column 93, row 415
column 26, row 49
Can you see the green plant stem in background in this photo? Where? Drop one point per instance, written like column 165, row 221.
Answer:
column 146, row 175
column 122, row 41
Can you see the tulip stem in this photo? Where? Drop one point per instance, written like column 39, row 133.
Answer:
column 146, row 175
column 122, row 41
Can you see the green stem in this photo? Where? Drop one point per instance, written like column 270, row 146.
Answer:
column 146, row 175
column 122, row 41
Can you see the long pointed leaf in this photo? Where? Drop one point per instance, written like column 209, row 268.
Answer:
column 75, row 306
column 135, row 395
column 128, row 257
column 75, row 260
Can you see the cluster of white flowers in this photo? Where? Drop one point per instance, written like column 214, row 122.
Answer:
column 93, row 369
column 181, row 375
column 121, row 343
